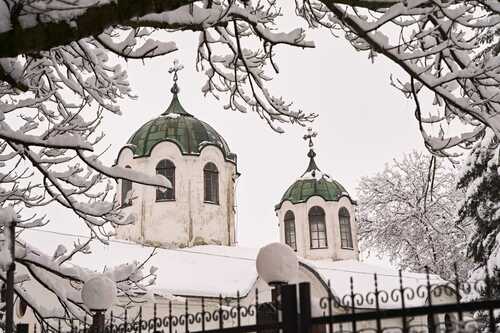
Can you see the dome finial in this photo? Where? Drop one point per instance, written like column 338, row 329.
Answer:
column 311, row 154
column 175, row 106
column 309, row 136
column 174, row 69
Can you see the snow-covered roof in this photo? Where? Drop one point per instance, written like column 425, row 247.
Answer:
column 213, row 270
column 208, row 270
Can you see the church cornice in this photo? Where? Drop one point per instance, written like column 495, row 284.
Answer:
column 196, row 154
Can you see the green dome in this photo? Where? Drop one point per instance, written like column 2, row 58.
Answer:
column 176, row 125
column 303, row 189
column 313, row 183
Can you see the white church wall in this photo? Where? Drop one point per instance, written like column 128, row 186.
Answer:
column 187, row 220
column 301, row 212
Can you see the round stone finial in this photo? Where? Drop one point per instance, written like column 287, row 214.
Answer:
column 277, row 263
column 99, row 293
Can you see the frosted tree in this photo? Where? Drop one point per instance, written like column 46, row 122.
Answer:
column 411, row 217
column 481, row 206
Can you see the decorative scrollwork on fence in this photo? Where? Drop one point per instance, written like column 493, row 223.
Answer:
column 427, row 305
column 403, row 295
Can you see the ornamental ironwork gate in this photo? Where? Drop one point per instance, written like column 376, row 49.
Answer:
column 431, row 307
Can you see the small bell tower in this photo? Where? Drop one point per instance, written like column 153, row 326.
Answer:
column 316, row 214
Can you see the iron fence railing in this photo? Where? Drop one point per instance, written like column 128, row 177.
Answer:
column 433, row 306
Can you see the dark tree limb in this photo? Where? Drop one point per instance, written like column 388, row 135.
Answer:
column 92, row 21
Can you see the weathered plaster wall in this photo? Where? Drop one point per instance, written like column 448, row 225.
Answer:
column 331, row 208
column 188, row 220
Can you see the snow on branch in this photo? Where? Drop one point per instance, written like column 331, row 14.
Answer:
column 40, row 25
column 446, row 47
column 62, row 281
column 63, row 141
column 117, row 172
column 127, row 46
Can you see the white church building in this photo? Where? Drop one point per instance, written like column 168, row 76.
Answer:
column 193, row 223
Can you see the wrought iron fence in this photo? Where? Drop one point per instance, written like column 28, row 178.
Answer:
column 434, row 306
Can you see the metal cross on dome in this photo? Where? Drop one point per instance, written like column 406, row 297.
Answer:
column 174, row 69
column 309, row 136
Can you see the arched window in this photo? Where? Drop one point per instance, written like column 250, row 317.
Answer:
column 345, row 229
column 290, row 230
column 211, row 180
column 167, row 169
column 126, row 188
column 317, row 228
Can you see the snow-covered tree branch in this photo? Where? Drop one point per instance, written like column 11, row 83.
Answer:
column 62, row 282
column 446, row 47
column 438, row 44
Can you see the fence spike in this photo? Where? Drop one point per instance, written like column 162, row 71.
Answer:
column 221, row 323
column 351, row 283
column 126, row 320
column 429, row 287
column 154, row 317
column 431, row 321
column 186, row 310
column 238, row 308
column 489, row 294
column 402, row 295
column 377, row 304
column 111, row 321
column 457, row 291
column 202, row 314
column 330, row 312
column 256, row 306
column 170, row 324
column 140, row 319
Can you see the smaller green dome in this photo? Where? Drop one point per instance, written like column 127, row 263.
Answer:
column 303, row 189
column 313, row 183
column 176, row 125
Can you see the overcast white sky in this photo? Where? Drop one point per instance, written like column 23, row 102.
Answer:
column 363, row 123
